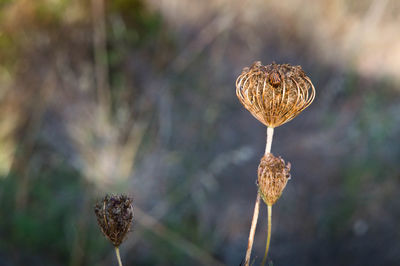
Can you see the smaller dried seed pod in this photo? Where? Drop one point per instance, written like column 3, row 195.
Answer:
column 275, row 93
column 273, row 176
column 114, row 215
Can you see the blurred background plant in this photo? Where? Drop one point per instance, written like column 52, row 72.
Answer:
column 138, row 97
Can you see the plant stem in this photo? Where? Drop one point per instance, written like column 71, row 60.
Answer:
column 269, row 234
column 252, row 230
column 270, row 133
column 118, row 256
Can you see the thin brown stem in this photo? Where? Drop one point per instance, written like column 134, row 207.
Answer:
column 269, row 235
column 118, row 256
column 270, row 133
column 252, row 230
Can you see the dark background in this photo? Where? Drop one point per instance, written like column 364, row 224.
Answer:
column 138, row 97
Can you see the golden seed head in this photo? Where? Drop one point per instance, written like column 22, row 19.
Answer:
column 273, row 176
column 114, row 215
column 274, row 94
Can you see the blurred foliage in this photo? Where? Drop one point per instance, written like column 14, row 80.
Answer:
column 49, row 224
column 171, row 80
column 57, row 207
column 141, row 24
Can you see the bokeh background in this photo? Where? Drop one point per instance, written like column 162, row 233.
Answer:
column 138, row 97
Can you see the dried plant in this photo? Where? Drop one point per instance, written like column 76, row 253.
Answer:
column 114, row 216
column 273, row 176
column 274, row 94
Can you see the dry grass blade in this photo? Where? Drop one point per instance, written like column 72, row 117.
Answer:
column 188, row 247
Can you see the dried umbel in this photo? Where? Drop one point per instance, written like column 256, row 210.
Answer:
column 274, row 94
column 114, row 216
column 273, row 176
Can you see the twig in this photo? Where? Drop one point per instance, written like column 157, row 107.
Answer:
column 252, row 229
column 118, row 256
column 269, row 235
column 270, row 133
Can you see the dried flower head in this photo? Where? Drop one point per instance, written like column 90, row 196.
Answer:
column 114, row 216
column 274, row 94
column 273, row 175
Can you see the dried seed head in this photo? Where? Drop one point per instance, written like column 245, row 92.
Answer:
column 274, row 94
column 114, row 216
column 273, row 175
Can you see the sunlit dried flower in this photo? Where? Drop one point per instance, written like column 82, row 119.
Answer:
column 114, row 216
column 274, row 94
column 273, row 176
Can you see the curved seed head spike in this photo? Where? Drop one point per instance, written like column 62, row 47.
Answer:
column 274, row 94
column 114, row 215
column 273, row 176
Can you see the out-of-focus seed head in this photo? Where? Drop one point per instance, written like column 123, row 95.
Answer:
column 274, row 94
column 114, row 215
column 273, row 176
